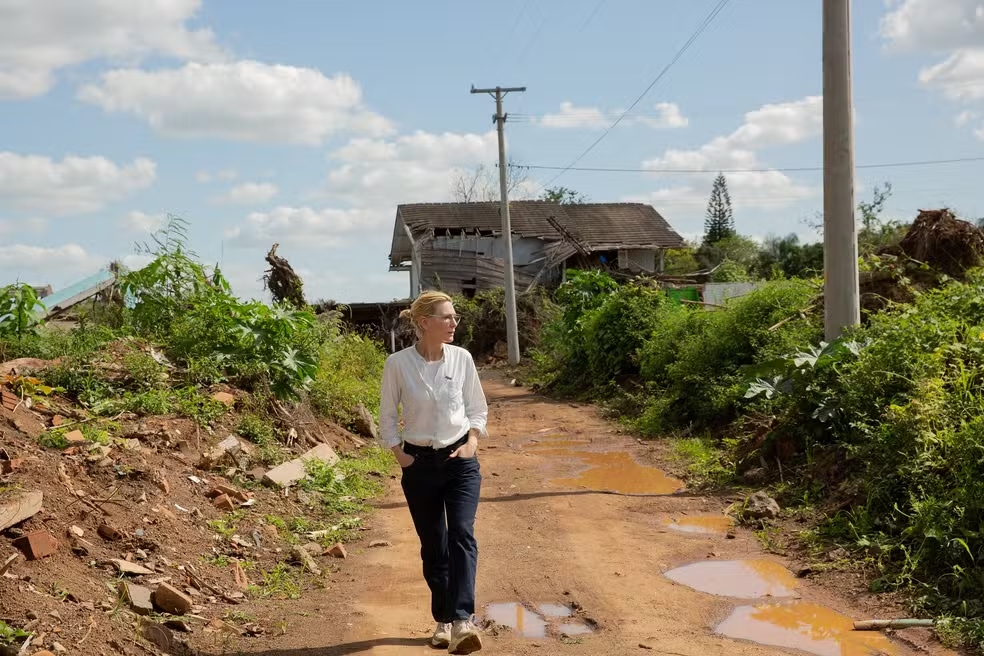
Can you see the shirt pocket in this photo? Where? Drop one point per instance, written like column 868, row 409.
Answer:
column 453, row 394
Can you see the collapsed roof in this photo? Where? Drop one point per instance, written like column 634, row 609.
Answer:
column 596, row 226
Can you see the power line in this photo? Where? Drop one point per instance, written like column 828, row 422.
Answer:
column 693, row 37
column 786, row 169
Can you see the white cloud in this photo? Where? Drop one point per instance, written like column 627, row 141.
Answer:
column 75, row 185
column 39, row 37
column 412, row 168
column 305, row 226
column 762, row 191
column 368, row 179
column 240, row 101
column 26, row 262
column 142, row 222
column 960, row 76
column 770, row 126
column 570, row 116
column 225, row 175
column 954, row 28
column 964, row 118
column 935, row 25
column 249, row 193
column 667, row 116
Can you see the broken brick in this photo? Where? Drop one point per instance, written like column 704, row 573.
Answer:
column 75, row 437
column 220, row 488
column 337, row 551
column 225, row 398
column 57, row 420
column 37, row 545
column 161, row 481
column 8, row 400
column 171, row 600
column 223, row 502
column 110, row 533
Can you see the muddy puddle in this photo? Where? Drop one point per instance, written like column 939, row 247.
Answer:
column 703, row 524
column 804, row 626
column 612, row 471
column 530, row 624
column 743, row 579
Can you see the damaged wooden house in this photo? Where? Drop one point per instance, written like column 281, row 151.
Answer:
column 459, row 247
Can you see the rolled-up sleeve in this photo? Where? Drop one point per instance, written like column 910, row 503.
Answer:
column 476, row 407
column 389, row 403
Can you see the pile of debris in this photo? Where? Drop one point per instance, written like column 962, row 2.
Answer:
column 944, row 242
column 937, row 244
column 152, row 533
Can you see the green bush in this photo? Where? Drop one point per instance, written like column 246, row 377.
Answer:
column 350, row 371
column 689, row 359
column 483, row 319
column 706, row 377
column 899, row 411
column 176, row 302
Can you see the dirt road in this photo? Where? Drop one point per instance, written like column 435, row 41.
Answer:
column 551, row 545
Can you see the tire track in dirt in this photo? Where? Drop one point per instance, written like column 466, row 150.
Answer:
column 540, row 543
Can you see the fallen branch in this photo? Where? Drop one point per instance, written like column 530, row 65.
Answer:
column 878, row 625
column 684, row 300
column 800, row 314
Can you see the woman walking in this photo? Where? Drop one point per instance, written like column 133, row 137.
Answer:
column 436, row 386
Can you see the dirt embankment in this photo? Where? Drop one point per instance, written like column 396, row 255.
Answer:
column 162, row 535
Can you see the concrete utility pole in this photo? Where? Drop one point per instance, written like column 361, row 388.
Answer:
column 840, row 238
column 512, row 324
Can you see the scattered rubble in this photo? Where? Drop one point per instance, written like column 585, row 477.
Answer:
column 171, row 600
column 126, row 567
column 138, row 597
column 337, row 551
column 761, row 506
column 37, row 544
column 292, row 471
column 300, row 555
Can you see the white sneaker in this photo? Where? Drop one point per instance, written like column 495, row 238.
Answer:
column 442, row 635
column 464, row 638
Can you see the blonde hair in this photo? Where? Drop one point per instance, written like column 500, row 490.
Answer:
column 423, row 306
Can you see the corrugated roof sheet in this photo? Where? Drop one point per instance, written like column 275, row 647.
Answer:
column 597, row 225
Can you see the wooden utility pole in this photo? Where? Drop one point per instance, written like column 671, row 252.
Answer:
column 512, row 323
column 840, row 238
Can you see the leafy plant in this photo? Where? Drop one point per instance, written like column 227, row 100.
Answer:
column 10, row 635
column 19, row 311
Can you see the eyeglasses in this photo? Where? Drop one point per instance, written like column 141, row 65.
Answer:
column 447, row 318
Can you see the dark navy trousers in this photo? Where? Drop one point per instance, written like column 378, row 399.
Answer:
column 442, row 494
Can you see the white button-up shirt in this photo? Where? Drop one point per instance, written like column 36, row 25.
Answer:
column 440, row 401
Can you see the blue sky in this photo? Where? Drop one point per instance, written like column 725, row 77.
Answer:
column 307, row 122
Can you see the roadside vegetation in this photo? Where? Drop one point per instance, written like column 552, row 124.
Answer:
column 171, row 334
column 875, row 439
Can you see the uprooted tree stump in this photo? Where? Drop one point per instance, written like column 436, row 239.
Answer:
column 284, row 284
column 937, row 239
column 944, row 242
